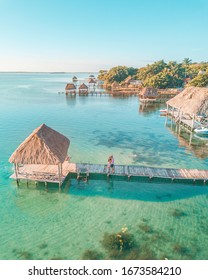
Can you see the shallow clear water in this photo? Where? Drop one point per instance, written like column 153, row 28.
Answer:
column 167, row 220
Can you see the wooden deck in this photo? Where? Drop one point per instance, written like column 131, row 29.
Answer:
column 185, row 121
column 44, row 173
column 143, row 171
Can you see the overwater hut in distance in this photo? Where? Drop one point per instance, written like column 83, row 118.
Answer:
column 70, row 89
column 148, row 94
column 132, row 82
column 189, row 106
column 74, row 79
column 40, row 156
column 114, row 85
column 83, row 89
column 91, row 81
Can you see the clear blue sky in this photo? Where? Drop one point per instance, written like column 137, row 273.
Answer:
column 88, row 35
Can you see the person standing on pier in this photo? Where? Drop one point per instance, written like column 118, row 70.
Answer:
column 109, row 164
column 112, row 164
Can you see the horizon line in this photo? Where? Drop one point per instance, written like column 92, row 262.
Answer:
column 50, row 72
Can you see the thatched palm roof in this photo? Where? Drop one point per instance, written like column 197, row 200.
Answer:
column 83, row 86
column 91, row 81
column 192, row 100
column 70, row 87
column 149, row 92
column 114, row 84
column 128, row 79
column 43, row 146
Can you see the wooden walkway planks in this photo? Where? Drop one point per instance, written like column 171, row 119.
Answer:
column 143, row 171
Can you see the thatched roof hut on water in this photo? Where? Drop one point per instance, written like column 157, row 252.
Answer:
column 91, row 81
column 83, row 89
column 114, row 85
column 74, row 79
column 43, row 148
column 70, row 88
column 189, row 105
column 148, row 94
column 192, row 101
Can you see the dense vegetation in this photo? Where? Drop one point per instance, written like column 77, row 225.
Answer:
column 161, row 74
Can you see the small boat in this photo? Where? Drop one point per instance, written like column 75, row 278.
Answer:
column 163, row 111
column 201, row 130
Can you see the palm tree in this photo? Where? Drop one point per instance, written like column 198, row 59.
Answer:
column 187, row 60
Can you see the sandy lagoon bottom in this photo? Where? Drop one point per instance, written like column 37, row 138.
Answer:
column 166, row 220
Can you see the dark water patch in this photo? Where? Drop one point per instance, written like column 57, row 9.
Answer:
column 56, row 258
column 120, row 241
column 159, row 237
column 146, row 228
column 118, row 244
column 91, row 255
column 23, row 255
column 204, row 226
column 43, row 245
column 145, row 220
column 147, row 253
column 180, row 249
column 163, row 196
column 177, row 213
column 124, row 246
column 135, row 189
column 108, row 222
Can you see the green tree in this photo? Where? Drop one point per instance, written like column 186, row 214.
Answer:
column 117, row 74
column 187, row 60
column 102, row 75
column 132, row 71
column 161, row 80
column 199, row 81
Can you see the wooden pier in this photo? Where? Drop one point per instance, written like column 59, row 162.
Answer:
column 86, row 171
column 130, row 171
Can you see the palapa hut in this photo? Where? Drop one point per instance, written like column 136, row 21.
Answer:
column 70, row 89
column 83, row 89
column 190, row 104
column 132, row 82
column 74, row 79
column 127, row 80
column 148, row 94
column 115, row 85
column 91, row 81
column 40, row 156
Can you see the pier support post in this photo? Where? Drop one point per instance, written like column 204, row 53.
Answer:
column 59, row 175
column 16, row 173
column 192, row 123
column 166, row 119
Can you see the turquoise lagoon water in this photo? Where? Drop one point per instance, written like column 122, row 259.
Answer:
column 167, row 220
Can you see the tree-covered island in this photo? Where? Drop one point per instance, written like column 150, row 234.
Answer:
column 160, row 74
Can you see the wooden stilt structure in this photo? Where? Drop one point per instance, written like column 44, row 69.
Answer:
column 44, row 149
column 16, row 173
